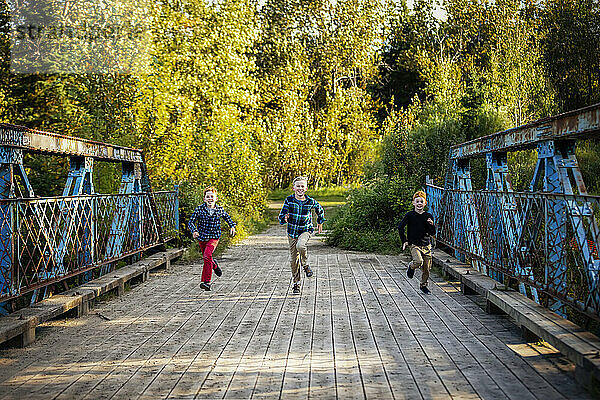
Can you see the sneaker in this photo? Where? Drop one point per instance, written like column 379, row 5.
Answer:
column 217, row 269
column 410, row 272
column 296, row 289
column 205, row 286
column 425, row 290
column 308, row 271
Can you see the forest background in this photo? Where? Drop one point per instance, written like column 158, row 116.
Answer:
column 245, row 94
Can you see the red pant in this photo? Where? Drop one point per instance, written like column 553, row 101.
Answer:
column 207, row 250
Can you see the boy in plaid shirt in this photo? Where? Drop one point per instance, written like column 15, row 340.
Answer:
column 297, row 213
column 205, row 225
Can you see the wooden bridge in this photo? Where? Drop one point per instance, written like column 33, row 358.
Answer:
column 359, row 329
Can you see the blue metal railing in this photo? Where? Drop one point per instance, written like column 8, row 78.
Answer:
column 45, row 240
column 548, row 242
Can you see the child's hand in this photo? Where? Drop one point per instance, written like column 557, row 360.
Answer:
column 430, row 221
column 195, row 235
column 232, row 232
column 404, row 246
column 286, row 217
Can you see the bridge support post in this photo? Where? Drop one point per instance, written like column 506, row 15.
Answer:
column 507, row 223
column 528, row 335
column 82, row 309
column 128, row 211
column 491, row 308
column 466, row 221
column 547, row 238
column 44, row 242
column 466, row 290
column 80, row 182
column 27, row 337
column 557, row 171
column 121, row 289
column 11, row 166
column 80, row 226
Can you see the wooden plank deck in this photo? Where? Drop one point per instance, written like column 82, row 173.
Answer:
column 360, row 329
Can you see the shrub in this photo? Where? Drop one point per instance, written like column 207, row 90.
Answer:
column 368, row 220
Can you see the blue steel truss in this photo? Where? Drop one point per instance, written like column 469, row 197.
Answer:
column 45, row 240
column 548, row 237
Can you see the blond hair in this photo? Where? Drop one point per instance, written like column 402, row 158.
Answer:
column 300, row 178
column 421, row 194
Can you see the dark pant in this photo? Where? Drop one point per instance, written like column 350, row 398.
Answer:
column 207, row 248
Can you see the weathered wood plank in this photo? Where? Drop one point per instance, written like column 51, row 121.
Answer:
column 144, row 358
column 429, row 360
column 243, row 380
column 297, row 371
column 487, row 360
column 161, row 383
column 322, row 362
column 373, row 367
column 539, row 385
column 390, row 343
column 154, row 324
column 486, row 345
column 270, row 378
column 229, row 361
column 359, row 329
column 215, row 333
column 100, row 343
column 347, row 369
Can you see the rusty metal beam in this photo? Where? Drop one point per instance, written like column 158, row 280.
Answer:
column 574, row 124
column 51, row 143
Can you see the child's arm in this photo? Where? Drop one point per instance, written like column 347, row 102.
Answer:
column 401, row 226
column 320, row 216
column 230, row 222
column 283, row 214
column 192, row 225
column 430, row 226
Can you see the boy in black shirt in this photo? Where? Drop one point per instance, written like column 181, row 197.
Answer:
column 420, row 227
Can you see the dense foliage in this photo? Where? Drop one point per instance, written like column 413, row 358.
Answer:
column 487, row 67
column 247, row 94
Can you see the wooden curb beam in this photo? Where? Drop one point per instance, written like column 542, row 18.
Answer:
column 22, row 323
column 535, row 321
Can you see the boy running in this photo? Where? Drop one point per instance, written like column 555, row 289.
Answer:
column 297, row 213
column 420, row 227
column 205, row 225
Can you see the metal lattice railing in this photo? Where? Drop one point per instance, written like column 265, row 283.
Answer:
column 49, row 239
column 167, row 205
column 546, row 241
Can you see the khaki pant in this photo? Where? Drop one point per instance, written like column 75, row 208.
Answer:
column 298, row 256
column 421, row 258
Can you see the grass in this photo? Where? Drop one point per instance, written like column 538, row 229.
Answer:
column 331, row 211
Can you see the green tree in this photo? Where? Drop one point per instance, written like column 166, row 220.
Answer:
column 197, row 112
column 315, row 60
column 571, row 50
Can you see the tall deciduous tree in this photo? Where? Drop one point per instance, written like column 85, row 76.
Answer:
column 315, row 60
column 571, row 50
